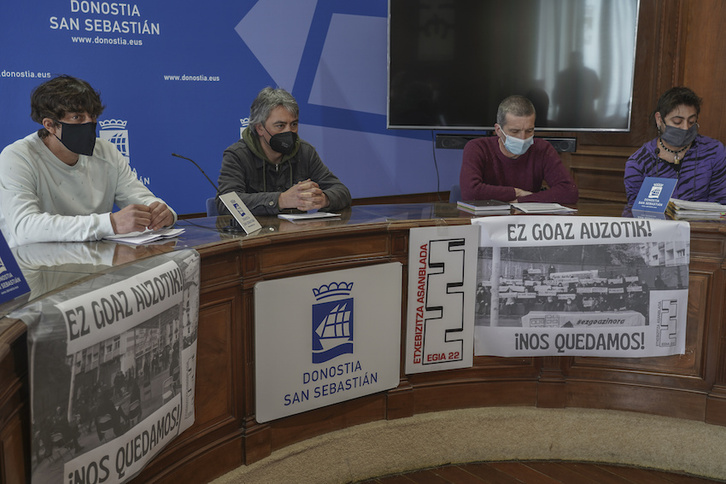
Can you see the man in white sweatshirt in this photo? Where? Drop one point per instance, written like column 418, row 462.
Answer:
column 61, row 183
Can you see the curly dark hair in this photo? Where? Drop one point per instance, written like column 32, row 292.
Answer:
column 61, row 95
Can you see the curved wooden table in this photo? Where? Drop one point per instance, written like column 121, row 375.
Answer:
column 226, row 434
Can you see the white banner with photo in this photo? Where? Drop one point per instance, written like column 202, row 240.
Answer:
column 112, row 369
column 441, row 278
column 581, row 286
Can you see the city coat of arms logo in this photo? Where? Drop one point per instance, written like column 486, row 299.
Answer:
column 332, row 328
column 114, row 130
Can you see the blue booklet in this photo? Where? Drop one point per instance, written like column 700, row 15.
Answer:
column 654, row 195
column 12, row 281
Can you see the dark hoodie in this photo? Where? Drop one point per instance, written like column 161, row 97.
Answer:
column 258, row 182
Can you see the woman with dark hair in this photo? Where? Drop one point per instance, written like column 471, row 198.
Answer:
column 696, row 161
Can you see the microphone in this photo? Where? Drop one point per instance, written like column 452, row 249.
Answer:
column 216, row 189
column 233, row 226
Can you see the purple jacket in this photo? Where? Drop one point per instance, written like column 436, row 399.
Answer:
column 701, row 177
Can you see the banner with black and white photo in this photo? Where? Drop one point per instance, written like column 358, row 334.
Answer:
column 112, row 366
column 581, row 286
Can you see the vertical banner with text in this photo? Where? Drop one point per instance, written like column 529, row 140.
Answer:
column 441, row 278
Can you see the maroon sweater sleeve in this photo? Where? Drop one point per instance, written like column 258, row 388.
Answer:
column 477, row 177
column 562, row 188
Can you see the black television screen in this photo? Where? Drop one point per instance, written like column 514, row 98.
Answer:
column 451, row 62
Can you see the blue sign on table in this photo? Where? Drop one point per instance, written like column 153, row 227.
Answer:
column 654, row 195
column 12, row 282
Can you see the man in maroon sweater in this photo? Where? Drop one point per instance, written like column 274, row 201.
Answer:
column 512, row 165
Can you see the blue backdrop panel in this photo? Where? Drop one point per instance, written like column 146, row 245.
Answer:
column 180, row 77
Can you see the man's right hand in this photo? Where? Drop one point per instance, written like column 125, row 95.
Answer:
column 132, row 218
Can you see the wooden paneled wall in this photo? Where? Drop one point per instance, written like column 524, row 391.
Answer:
column 704, row 62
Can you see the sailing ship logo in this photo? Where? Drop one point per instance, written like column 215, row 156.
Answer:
column 332, row 321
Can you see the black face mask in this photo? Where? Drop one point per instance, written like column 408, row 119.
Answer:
column 283, row 142
column 79, row 138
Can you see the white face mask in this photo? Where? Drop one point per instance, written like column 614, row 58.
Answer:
column 517, row 146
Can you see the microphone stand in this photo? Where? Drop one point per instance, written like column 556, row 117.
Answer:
column 234, row 226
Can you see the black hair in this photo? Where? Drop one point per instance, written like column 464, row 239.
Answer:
column 677, row 96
